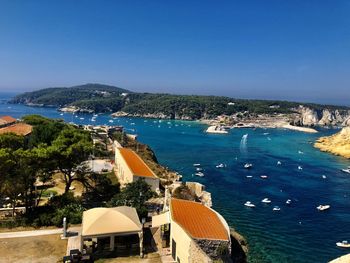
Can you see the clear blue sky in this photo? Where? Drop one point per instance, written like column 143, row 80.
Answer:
column 294, row 50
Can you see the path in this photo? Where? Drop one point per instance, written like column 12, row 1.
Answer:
column 32, row 233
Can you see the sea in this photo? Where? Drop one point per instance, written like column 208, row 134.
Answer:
column 295, row 169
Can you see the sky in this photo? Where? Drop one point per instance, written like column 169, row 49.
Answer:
column 291, row 50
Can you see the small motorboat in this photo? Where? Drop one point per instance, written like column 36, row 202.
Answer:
column 82, row 118
column 266, row 201
column 343, row 243
column 347, row 170
column 300, row 168
column 249, row 176
column 279, row 163
column 198, row 169
column 276, row 208
column 221, row 165
column 300, row 152
column 61, row 114
column 196, row 164
column 200, row 174
column 264, row 176
column 323, row 207
column 249, row 204
column 111, row 121
column 248, row 165
column 324, row 177
column 288, row 202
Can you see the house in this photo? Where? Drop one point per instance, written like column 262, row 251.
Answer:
column 6, row 121
column 130, row 167
column 9, row 124
column 197, row 232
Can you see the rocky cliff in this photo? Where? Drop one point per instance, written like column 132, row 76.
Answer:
column 325, row 117
column 338, row 144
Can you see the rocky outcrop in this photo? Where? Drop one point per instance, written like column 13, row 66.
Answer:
column 338, row 144
column 309, row 117
column 239, row 247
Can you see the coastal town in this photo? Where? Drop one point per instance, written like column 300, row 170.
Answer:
column 174, row 222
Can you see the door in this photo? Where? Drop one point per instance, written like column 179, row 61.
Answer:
column 173, row 249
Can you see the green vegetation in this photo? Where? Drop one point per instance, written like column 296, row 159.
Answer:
column 53, row 146
column 134, row 194
column 102, row 98
column 183, row 192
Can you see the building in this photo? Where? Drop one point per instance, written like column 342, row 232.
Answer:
column 197, row 232
column 9, row 124
column 119, row 225
column 6, row 121
column 130, row 167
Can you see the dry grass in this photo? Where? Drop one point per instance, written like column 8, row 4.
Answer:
column 32, row 249
column 60, row 185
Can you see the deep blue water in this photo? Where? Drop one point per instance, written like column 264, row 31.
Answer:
column 297, row 233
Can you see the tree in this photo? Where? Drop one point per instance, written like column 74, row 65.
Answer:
column 12, row 141
column 134, row 194
column 183, row 192
column 69, row 150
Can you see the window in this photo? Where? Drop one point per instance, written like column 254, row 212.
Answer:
column 173, row 249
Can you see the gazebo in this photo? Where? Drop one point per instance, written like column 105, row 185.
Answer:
column 104, row 222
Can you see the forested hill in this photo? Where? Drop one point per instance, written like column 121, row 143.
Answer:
column 103, row 98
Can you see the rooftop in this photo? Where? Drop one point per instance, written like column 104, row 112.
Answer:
column 199, row 221
column 17, row 128
column 136, row 164
column 7, row 120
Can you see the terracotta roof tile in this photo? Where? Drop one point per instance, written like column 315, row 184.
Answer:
column 7, row 119
column 136, row 164
column 197, row 220
column 18, row 128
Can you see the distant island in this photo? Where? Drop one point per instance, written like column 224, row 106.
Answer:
column 214, row 110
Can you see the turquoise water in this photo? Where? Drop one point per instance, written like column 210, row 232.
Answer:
column 297, row 233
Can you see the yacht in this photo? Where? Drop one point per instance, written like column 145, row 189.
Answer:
column 263, row 176
column 249, row 204
column 266, row 201
column 347, row 170
column 200, row 174
column 276, row 208
column 323, row 207
column 248, row 166
column 288, row 202
column 343, row 243
column 196, row 164
column 221, row 165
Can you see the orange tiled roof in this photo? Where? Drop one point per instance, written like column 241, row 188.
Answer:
column 197, row 220
column 7, row 119
column 135, row 163
column 17, row 128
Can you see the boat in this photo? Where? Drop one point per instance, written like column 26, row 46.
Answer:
column 248, row 166
column 347, row 170
column 249, row 176
column 288, row 202
column 276, row 208
column 279, row 163
column 263, row 176
column 81, row 118
column 266, row 201
column 61, row 114
column 300, row 168
column 111, row 121
column 300, row 152
column 343, row 243
column 323, row 207
column 324, row 177
column 249, row 204
column 199, row 169
column 196, row 164
column 221, row 165
column 200, row 174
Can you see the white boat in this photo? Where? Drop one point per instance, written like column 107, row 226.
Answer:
column 81, row 118
column 196, row 164
column 300, row 152
column 288, row 202
column 323, row 207
column 200, row 174
column 263, row 176
column 276, row 208
column 324, row 177
column 111, row 121
column 266, row 201
column 61, row 114
column 249, row 176
column 221, row 165
column 300, row 168
column 347, row 170
column 199, row 169
column 248, row 165
column 279, row 163
column 343, row 243
column 249, row 204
